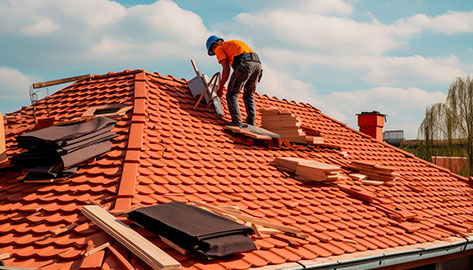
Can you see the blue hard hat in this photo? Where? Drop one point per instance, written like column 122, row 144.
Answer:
column 210, row 41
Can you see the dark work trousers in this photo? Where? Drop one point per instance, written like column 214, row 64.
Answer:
column 245, row 76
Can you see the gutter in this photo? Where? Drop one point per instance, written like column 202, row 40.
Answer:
column 391, row 258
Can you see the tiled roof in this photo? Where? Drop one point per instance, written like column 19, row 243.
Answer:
column 166, row 151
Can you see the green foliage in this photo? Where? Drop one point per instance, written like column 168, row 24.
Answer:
column 452, row 122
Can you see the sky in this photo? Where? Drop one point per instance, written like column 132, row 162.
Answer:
column 342, row 56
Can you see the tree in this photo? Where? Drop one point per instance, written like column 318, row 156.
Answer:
column 453, row 120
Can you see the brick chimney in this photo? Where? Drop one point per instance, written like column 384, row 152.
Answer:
column 372, row 123
column 3, row 153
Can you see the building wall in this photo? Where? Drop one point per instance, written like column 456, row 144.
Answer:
column 454, row 164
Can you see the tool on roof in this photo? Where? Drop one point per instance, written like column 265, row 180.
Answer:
column 199, row 86
column 34, row 94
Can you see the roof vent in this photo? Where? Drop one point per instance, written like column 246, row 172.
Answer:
column 3, row 149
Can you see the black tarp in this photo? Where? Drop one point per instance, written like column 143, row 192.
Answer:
column 195, row 229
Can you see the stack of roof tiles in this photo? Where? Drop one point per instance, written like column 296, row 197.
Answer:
column 375, row 171
column 308, row 170
column 166, row 151
column 287, row 125
column 54, row 150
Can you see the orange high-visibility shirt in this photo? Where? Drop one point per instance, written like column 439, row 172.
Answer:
column 231, row 48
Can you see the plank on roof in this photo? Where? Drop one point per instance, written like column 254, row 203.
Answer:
column 61, row 81
column 140, row 246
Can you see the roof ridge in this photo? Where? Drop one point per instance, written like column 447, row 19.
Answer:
column 126, row 189
column 166, row 77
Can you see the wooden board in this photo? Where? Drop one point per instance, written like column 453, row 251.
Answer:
column 140, row 246
column 269, row 111
column 248, row 133
column 358, row 176
column 254, row 220
column 60, row 81
column 287, row 163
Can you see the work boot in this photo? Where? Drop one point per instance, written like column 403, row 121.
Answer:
column 232, row 124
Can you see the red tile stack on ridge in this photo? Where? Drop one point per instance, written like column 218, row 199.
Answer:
column 166, row 151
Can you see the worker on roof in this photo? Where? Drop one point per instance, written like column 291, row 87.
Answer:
column 246, row 73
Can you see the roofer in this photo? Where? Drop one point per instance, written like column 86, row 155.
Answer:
column 246, row 73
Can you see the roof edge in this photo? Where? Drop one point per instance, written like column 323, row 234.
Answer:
column 393, row 257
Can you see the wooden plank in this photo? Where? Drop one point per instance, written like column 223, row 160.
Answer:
column 247, row 133
column 270, row 231
column 140, row 246
column 60, row 81
column 273, row 110
column 314, row 139
column 64, row 229
column 319, row 165
column 256, row 230
column 97, row 249
column 254, row 220
column 287, row 163
column 358, row 176
column 279, row 117
column 173, row 245
column 4, row 256
column 372, row 182
column 295, row 132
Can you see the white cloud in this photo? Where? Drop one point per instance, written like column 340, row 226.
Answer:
column 327, row 34
column 302, row 44
column 451, row 22
column 42, row 27
column 167, row 18
column 14, row 85
column 103, row 32
column 378, row 70
column 414, row 70
column 276, row 83
column 405, row 107
column 44, row 17
column 94, row 13
column 338, row 7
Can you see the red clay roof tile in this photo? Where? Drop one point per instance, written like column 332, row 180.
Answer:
column 166, row 151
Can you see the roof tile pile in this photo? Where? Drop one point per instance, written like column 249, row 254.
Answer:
column 375, row 171
column 165, row 151
column 308, row 170
column 287, row 125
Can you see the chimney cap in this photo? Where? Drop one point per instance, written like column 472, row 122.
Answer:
column 372, row 112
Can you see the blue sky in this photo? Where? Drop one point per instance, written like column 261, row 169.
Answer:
column 342, row 56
